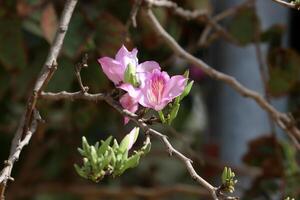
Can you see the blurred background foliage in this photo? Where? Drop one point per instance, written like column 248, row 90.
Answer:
column 98, row 28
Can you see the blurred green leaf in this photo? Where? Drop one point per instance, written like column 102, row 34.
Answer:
column 12, row 52
column 244, row 25
column 110, row 34
column 273, row 35
column 63, row 77
column 284, row 70
column 76, row 36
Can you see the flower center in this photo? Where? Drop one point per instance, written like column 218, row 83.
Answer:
column 157, row 89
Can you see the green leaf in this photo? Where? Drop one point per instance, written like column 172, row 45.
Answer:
column 110, row 33
column 77, row 35
column 273, row 35
column 79, row 171
column 244, row 25
column 174, row 112
column 12, row 52
column 63, row 77
column 187, row 90
column 104, row 146
column 85, row 145
column 94, row 156
column 81, row 151
column 284, row 71
column 132, row 162
column 129, row 140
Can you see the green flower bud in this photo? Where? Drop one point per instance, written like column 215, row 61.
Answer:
column 130, row 75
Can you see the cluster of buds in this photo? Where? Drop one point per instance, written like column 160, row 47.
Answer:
column 106, row 159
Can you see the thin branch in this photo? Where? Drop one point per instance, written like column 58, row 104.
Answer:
column 281, row 119
column 78, row 67
column 28, row 121
column 141, row 123
column 133, row 13
column 287, row 4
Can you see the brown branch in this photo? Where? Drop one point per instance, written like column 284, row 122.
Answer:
column 287, row 4
column 141, row 123
column 25, row 130
column 282, row 120
column 78, row 67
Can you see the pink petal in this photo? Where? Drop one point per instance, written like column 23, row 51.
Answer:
column 129, row 104
column 148, row 66
column 112, row 69
column 132, row 91
column 125, row 57
column 174, row 87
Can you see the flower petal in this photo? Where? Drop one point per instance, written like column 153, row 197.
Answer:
column 125, row 57
column 148, row 66
column 112, row 69
column 132, row 91
column 130, row 104
column 174, row 87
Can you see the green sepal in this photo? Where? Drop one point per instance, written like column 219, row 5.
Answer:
column 162, row 116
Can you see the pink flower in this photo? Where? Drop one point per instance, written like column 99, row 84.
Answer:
column 114, row 69
column 159, row 89
column 129, row 104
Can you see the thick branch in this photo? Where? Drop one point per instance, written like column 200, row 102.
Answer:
column 25, row 130
column 282, row 120
column 287, row 4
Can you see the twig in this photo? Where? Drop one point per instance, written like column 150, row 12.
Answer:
column 287, row 4
column 141, row 123
column 78, row 67
column 133, row 13
column 281, row 119
column 25, row 129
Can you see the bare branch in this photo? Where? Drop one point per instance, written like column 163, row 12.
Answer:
column 27, row 124
column 281, row 119
column 78, row 67
column 287, row 4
